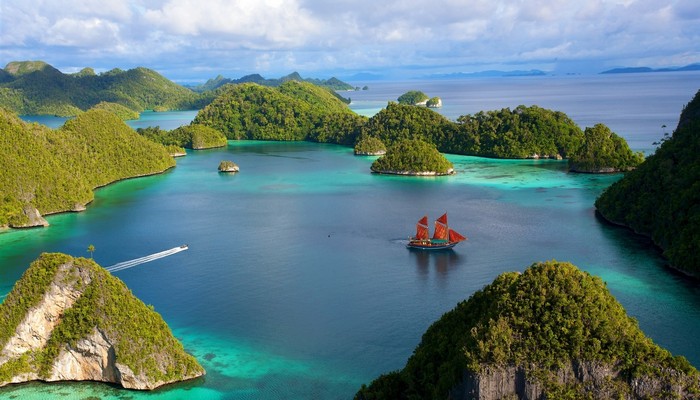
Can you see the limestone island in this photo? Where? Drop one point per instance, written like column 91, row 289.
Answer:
column 369, row 146
column 551, row 332
column 227, row 166
column 47, row 171
column 413, row 157
column 418, row 98
column 68, row 319
column 603, row 152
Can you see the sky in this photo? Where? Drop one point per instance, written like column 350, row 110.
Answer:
column 193, row 40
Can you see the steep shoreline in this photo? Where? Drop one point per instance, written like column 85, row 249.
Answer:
column 41, row 222
column 656, row 245
column 67, row 319
column 451, row 171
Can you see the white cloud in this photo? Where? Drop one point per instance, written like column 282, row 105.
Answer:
column 83, row 33
column 257, row 23
column 284, row 35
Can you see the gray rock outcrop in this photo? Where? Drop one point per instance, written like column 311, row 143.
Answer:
column 34, row 218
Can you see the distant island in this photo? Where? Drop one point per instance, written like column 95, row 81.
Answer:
column 302, row 111
column 636, row 70
column 551, row 332
column 214, row 83
column 488, row 74
column 35, row 87
column 661, row 198
column 68, row 319
column 418, row 98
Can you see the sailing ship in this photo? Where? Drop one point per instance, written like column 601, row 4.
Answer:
column 443, row 236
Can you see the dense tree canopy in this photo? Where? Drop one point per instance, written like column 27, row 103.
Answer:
column 293, row 111
column 542, row 320
column 520, row 133
column 119, row 110
column 192, row 136
column 369, row 145
column 412, row 157
column 661, row 198
column 400, row 121
column 603, row 151
column 56, row 170
column 412, row 97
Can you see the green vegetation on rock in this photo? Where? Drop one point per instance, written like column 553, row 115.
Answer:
column 412, row 157
column 119, row 110
column 539, row 325
column 603, row 151
column 228, row 166
column 139, row 337
column 293, row 111
column 412, row 97
column 369, row 145
column 192, row 136
column 661, row 198
column 56, row 170
column 34, row 87
column 434, row 102
column 400, row 121
column 526, row 132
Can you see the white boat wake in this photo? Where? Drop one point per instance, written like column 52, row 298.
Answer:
column 138, row 261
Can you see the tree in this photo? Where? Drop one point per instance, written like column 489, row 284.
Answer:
column 91, row 250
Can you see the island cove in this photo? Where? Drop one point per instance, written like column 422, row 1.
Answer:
column 302, row 111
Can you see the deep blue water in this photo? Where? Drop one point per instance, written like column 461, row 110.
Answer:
column 297, row 282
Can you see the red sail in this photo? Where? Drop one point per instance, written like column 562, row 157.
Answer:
column 422, row 232
column 422, row 229
column 443, row 219
column 456, row 237
column 440, row 231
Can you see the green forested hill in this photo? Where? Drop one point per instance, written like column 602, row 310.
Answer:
column 192, row 136
column 34, row 87
column 137, row 337
column 56, row 170
column 403, row 121
column 525, row 132
column 553, row 332
column 412, row 157
column 293, row 111
column 661, row 198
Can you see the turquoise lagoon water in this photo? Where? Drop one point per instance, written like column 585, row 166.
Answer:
column 297, row 282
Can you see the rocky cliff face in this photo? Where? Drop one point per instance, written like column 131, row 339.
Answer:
column 93, row 356
column 590, row 379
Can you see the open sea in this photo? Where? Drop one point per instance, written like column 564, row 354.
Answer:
column 297, row 283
